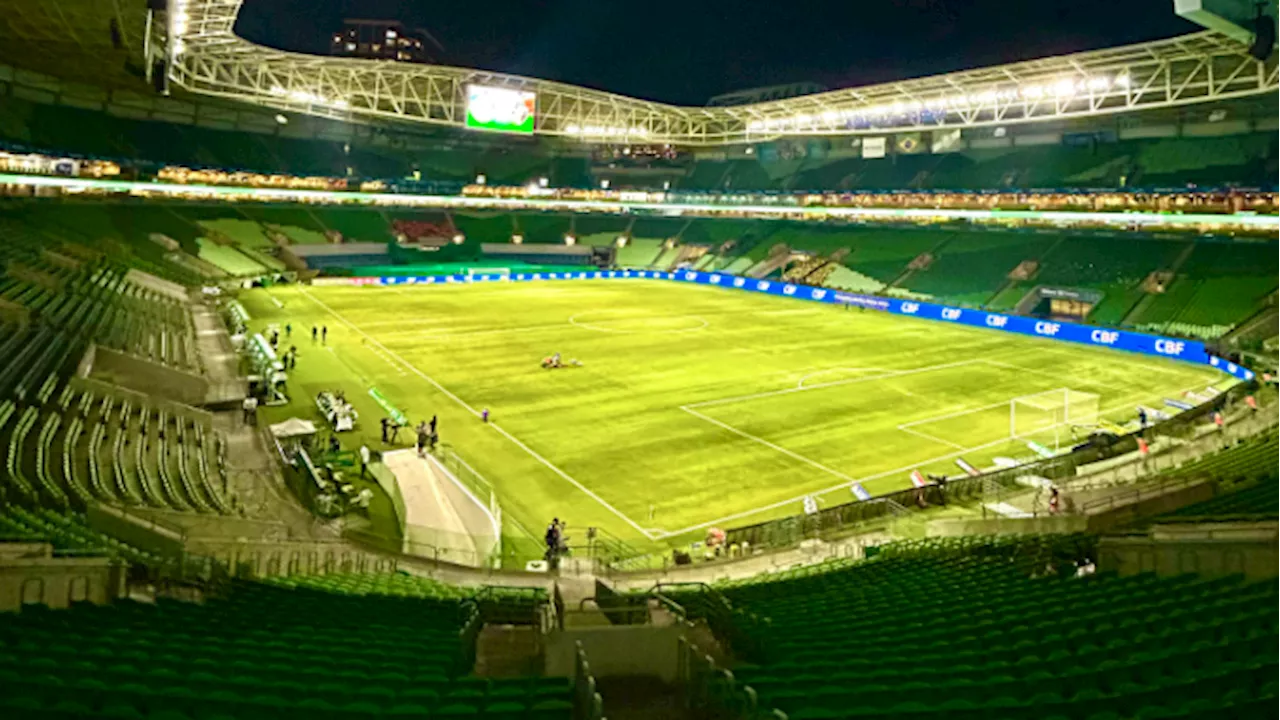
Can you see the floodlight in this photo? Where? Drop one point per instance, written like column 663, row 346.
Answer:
column 570, row 240
column 517, row 239
column 458, row 239
column 281, row 119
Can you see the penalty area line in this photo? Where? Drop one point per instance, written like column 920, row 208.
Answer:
column 462, row 403
column 823, row 491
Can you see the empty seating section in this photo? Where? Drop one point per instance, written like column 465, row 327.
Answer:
column 262, row 652
column 299, row 225
column 485, row 228
column 1219, row 285
column 64, row 447
column 397, row 584
column 539, row 228
column 1252, row 459
column 66, row 532
column 972, row 267
column 1248, row 500
column 1003, row 628
column 885, row 254
column 355, row 225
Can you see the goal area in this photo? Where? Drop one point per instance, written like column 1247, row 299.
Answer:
column 1046, row 413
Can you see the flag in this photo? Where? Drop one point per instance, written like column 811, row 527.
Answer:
column 917, row 479
column 1176, row 404
column 946, row 141
column 860, row 492
column 1143, row 448
column 969, row 469
column 910, row 144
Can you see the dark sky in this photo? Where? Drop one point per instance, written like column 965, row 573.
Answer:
column 685, row 52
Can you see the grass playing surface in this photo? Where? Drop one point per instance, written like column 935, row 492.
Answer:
column 694, row 406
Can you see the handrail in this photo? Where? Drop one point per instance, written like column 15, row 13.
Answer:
column 1134, row 494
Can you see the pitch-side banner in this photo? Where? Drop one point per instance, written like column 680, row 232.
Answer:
column 1160, row 346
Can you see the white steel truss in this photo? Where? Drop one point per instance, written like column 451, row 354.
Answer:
column 205, row 56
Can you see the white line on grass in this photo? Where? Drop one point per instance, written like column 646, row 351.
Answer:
column 462, row 403
column 766, row 443
column 836, row 383
column 876, row 476
column 828, row 371
column 929, row 437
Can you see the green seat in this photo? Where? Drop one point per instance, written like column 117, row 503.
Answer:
column 409, row 710
column 551, row 710
column 504, row 710
column 456, row 710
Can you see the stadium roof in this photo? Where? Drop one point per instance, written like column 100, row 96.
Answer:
column 204, row 55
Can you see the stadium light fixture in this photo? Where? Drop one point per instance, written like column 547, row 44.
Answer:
column 458, row 238
column 604, row 184
column 281, row 119
column 481, row 179
column 517, row 239
column 621, row 241
column 570, row 240
column 543, row 182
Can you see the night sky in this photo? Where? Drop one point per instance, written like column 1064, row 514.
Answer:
column 686, row 52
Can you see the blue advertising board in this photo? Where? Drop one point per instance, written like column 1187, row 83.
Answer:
column 1192, row 351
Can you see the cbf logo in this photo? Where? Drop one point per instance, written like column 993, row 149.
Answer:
column 789, row 290
column 1047, row 328
column 910, row 308
column 690, row 276
column 1170, row 347
column 818, row 294
column 950, row 314
column 739, row 282
column 1104, row 337
column 762, row 286
column 997, row 321
column 715, row 279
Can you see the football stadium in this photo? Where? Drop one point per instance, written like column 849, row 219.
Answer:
column 751, row 410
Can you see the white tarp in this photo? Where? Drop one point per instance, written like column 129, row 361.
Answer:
column 293, row 427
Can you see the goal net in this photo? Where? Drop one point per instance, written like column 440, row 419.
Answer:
column 488, row 273
column 1053, row 413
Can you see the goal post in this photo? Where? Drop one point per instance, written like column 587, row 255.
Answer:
column 500, row 274
column 1041, row 413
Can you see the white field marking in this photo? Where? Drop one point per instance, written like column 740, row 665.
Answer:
column 573, row 320
column 958, row 413
column 462, row 403
column 828, row 371
column 877, row 476
column 766, row 443
column 929, row 437
column 836, row 383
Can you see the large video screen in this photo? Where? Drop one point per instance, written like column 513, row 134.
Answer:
column 501, row 109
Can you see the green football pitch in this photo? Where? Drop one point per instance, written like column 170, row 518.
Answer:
column 693, row 406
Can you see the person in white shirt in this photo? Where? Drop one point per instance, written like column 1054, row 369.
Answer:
column 364, row 461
